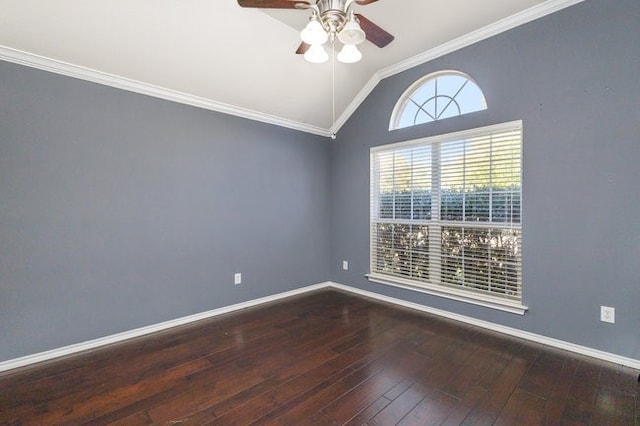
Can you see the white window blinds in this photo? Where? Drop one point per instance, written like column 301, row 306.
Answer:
column 446, row 213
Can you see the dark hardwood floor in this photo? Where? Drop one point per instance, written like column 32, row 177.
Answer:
column 323, row 358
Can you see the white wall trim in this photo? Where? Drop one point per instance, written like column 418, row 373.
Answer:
column 498, row 27
column 440, row 291
column 355, row 103
column 508, row 23
column 88, row 74
column 549, row 341
column 60, row 67
column 138, row 332
column 142, row 331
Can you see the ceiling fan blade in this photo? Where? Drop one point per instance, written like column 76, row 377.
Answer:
column 365, row 2
column 375, row 34
column 275, row 4
column 302, row 49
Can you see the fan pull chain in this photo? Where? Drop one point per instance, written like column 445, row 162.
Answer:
column 333, row 86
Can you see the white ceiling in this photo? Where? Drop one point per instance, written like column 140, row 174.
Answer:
column 235, row 58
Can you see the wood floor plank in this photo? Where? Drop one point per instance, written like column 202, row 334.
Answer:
column 576, row 412
column 559, row 393
column 138, row 419
column 318, row 397
column 586, row 381
column 135, row 363
column 393, row 413
column 619, row 378
column 522, row 408
column 246, row 407
column 467, row 403
column 214, row 384
column 322, row 358
column 306, row 382
column 613, row 407
column 481, row 367
column 368, row 413
column 489, row 408
column 399, row 388
column 399, row 367
column 542, row 378
column 431, row 411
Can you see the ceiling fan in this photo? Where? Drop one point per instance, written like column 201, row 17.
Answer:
column 330, row 20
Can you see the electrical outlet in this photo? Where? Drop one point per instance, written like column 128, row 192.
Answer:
column 345, row 265
column 608, row 314
column 237, row 278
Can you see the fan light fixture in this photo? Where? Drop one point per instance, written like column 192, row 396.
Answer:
column 316, row 54
column 351, row 34
column 328, row 23
column 330, row 20
column 349, row 54
column 314, row 33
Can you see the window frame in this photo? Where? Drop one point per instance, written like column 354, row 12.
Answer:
column 398, row 109
column 437, row 288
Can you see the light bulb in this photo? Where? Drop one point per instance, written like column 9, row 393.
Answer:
column 316, row 54
column 349, row 54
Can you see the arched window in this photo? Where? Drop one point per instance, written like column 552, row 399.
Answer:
column 435, row 97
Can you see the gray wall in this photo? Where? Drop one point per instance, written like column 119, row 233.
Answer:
column 119, row 210
column 572, row 77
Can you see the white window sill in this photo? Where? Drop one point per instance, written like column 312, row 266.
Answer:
column 461, row 296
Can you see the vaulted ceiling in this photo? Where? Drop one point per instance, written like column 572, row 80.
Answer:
column 217, row 55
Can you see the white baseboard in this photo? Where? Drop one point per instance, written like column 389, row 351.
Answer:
column 119, row 337
column 549, row 341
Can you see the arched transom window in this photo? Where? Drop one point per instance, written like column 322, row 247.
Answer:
column 435, row 97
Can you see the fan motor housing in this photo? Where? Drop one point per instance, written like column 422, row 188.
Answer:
column 333, row 14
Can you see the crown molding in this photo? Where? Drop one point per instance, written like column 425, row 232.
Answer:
column 63, row 68
column 498, row 27
column 513, row 21
column 355, row 103
column 88, row 74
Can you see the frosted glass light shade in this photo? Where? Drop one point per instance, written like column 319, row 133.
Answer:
column 349, row 54
column 314, row 32
column 351, row 33
column 316, row 54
